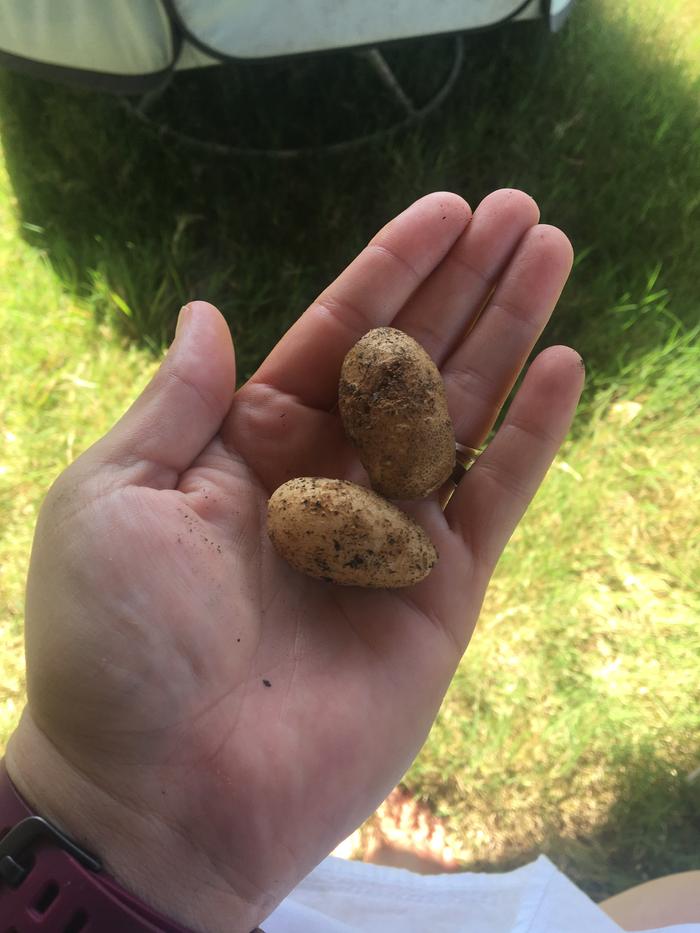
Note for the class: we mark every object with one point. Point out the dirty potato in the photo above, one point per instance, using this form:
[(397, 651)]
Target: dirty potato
[(393, 406), (343, 533)]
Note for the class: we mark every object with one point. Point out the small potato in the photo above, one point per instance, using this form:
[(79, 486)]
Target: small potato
[(343, 533), (393, 406)]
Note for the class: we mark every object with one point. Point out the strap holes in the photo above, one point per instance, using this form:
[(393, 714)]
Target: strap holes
[(46, 898), (77, 922)]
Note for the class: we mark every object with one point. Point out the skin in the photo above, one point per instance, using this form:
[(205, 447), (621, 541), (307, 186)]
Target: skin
[(157, 608), (667, 901)]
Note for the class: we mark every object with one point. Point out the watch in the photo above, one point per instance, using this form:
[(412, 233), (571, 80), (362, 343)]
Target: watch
[(48, 884)]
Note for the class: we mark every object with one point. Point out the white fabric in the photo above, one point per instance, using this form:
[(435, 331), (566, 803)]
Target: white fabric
[(351, 897), (557, 7), (129, 37), (264, 28), (133, 37)]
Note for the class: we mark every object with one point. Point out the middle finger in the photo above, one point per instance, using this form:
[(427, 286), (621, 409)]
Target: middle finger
[(442, 310)]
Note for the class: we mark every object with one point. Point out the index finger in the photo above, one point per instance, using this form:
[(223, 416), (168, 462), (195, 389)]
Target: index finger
[(369, 293)]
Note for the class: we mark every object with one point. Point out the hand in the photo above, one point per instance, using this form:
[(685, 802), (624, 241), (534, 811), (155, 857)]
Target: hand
[(206, 719)]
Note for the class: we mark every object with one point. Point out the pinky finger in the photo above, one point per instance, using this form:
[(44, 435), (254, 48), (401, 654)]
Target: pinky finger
[(495, 493)]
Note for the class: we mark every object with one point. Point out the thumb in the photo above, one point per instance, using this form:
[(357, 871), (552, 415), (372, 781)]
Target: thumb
[(182, 407)]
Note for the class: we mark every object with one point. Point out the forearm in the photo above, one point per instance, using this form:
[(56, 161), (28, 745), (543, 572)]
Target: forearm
[(149, 859)]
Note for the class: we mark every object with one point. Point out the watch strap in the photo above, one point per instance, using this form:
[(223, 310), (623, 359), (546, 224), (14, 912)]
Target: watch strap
[(49, 884)]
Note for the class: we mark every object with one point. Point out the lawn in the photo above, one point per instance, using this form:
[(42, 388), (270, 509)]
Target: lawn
[(572, 725)]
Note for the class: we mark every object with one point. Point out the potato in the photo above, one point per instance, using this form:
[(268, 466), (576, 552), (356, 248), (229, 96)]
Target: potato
[(393, 406), (343, 533)]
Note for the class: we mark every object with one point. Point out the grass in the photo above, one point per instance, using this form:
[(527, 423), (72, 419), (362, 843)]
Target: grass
[(571, 725), (66, 379)]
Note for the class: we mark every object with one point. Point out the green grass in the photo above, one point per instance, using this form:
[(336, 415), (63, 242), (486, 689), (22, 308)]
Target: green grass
[(66, 379), (572, 723)]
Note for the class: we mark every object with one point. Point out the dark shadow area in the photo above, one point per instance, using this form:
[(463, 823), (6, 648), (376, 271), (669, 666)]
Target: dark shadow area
[(123, 212), (652, 829), (598, 128), (309, 103)]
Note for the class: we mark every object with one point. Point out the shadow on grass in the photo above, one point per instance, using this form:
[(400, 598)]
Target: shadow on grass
[(593, 123), (652, 829)]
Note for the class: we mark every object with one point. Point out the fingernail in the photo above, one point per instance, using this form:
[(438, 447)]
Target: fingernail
[(183, 320)]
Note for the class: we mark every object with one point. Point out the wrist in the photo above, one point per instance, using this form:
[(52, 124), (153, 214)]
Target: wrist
[(150, 860)]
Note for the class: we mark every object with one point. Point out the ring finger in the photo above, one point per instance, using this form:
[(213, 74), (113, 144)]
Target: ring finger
[(482, 370)]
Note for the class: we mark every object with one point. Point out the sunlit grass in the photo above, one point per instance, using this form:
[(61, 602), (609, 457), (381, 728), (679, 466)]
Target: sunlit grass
[(65, 380)]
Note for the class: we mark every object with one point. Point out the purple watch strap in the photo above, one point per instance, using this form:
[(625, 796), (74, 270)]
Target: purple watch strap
[(59, 895)]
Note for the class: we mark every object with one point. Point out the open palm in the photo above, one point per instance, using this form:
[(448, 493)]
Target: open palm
[(245, 717)]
